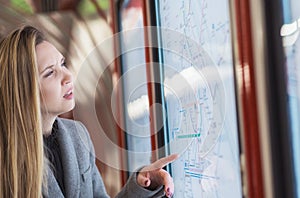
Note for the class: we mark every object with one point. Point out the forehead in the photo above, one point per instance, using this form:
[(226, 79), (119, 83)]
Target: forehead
[(47, 54)]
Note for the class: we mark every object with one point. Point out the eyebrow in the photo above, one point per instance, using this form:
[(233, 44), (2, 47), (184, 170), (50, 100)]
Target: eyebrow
[(50, 66)]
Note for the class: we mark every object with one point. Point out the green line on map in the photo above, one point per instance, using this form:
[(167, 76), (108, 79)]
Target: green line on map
[(189, 136)]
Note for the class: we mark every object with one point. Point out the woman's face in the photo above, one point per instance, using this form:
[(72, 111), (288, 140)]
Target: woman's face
[(56, 81)]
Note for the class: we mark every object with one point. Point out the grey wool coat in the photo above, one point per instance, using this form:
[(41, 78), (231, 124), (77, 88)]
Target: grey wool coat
[(81, 176)]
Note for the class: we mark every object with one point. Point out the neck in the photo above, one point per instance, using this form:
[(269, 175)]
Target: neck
[(47, 124)]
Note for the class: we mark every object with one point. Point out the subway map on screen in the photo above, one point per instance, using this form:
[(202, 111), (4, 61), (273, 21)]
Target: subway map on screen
[(200, 101)]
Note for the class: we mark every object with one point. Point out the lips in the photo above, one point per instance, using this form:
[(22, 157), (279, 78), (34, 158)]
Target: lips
[(69, 94)]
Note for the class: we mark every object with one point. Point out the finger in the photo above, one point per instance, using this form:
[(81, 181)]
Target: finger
[(168, 183), (143, 179), (164, 161), (169, 190)]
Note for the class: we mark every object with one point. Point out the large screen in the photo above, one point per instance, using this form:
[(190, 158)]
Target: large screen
[(200, 100)]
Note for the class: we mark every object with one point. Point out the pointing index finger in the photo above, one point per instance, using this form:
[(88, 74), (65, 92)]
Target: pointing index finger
[(164, 161)]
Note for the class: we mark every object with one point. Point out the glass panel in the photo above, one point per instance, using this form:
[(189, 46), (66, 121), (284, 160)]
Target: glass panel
[(200, 97), (135, 85)]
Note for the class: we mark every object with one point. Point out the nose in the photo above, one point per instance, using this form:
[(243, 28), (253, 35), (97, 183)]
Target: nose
[(67, 76)]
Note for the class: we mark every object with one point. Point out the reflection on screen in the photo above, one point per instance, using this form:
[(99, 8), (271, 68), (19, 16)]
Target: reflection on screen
[(200, 97), (291, 42)]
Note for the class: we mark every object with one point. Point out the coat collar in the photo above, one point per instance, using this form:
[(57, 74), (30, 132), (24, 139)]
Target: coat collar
[(69, 164)]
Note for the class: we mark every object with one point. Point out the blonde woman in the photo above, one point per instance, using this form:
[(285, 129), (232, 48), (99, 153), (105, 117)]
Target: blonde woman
[(35, 87)]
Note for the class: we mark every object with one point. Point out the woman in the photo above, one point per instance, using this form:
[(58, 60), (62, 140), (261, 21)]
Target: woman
[(36, 87)]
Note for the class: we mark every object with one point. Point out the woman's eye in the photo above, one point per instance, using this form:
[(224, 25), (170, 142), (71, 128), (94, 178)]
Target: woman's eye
[(49, 73), (64, 64)]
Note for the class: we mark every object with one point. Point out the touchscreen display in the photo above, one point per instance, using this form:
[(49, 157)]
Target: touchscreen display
[(200, 100)]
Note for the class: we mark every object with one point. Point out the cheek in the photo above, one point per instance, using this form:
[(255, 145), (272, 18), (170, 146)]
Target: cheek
[(48, 93)]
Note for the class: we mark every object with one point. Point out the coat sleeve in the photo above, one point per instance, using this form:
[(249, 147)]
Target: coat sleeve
[(131, 189)]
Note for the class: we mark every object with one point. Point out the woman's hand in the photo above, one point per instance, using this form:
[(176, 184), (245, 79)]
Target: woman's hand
[(153, 175)]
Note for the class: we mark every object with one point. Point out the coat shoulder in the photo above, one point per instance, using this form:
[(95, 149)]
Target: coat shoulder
[(74, 129)]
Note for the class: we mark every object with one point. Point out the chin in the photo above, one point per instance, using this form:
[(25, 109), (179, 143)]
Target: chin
[(68, 107), (72, 106)]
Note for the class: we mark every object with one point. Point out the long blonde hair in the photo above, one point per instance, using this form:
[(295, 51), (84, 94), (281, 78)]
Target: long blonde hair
[(21, 142)]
